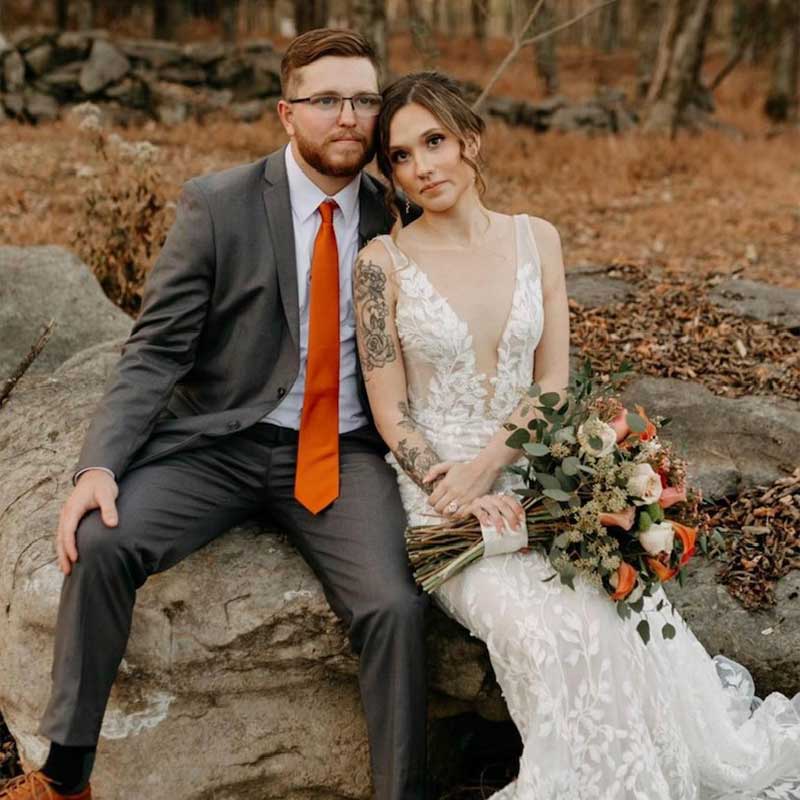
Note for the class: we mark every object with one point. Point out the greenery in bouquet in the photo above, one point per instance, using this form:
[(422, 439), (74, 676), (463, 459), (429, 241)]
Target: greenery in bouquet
[(604, 497)]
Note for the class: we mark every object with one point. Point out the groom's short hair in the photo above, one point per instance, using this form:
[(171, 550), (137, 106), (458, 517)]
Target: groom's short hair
[(313, 45)]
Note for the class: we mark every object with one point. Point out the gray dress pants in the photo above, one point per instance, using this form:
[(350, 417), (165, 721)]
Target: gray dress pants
[(174, 506)]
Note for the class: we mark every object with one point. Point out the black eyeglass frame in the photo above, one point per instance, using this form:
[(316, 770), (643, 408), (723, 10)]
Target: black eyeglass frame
[(342, 98)]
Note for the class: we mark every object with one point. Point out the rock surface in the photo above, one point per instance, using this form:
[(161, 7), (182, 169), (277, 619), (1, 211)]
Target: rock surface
[(42, 283), (234, 652), (731, 444), (775, 304)]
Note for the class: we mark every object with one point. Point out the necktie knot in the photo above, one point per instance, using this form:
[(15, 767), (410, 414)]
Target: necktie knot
[(326, 209)]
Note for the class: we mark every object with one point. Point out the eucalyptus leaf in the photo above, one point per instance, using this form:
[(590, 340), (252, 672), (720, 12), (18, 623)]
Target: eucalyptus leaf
[(547, 481), (534, 390), (536, 448), (636, 423), (623, 610), (557, 494), (518, 438), (570, 465), (637, 606), (643, 628), (668, 631), (549, 399), (596, 443), (561, 541)]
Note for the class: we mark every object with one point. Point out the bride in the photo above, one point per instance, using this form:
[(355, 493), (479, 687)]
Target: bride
[(456, 315)]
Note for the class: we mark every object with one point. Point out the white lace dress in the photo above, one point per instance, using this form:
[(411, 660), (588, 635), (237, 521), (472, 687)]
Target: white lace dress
[(601, 714)]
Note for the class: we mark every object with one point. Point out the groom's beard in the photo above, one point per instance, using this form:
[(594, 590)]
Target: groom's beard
[(347, 167)]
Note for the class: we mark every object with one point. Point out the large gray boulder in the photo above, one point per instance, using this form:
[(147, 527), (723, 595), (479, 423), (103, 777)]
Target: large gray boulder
[(42, 283), (234, 653), (731, 443)]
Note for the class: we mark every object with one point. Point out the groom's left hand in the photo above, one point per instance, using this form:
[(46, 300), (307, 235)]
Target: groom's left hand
[(460, 482)]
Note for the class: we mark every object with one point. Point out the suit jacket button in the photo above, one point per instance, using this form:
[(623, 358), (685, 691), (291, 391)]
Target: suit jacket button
[(281, 391), (235, 425)]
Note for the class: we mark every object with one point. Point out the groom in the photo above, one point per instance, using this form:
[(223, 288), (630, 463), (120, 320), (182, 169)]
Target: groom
[(238, 393)]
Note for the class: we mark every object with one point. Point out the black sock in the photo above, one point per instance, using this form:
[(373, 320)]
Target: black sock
[(69, 767)]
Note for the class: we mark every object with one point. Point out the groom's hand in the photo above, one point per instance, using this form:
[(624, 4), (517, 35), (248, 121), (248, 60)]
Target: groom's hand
[(95, 489)]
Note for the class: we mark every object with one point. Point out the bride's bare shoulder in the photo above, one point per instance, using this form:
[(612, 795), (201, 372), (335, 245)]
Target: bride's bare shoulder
[(545, 233)]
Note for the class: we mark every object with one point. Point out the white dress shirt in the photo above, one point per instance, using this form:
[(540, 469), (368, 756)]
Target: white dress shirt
[(306, 198)]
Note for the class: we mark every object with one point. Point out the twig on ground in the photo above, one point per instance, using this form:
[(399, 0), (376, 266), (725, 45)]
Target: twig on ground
[(26, 362)]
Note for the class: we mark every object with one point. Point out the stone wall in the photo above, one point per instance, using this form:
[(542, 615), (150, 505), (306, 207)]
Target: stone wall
[(137, 79), (42, 71)]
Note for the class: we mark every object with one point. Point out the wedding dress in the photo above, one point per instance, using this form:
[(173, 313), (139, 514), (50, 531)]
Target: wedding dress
[(601, 714)]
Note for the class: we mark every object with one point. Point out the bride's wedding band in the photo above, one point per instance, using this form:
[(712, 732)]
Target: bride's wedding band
[(452, 507)]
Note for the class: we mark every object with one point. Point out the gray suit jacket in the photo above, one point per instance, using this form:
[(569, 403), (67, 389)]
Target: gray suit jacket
[(216, 346)]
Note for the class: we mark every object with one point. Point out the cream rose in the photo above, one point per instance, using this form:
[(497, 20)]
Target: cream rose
[(605, 433), (645, 484), (658, 538)]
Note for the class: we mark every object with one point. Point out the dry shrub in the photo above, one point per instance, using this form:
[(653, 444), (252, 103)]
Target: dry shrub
[(125, 214)]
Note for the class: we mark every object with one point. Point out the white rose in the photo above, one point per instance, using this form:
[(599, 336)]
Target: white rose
[(645, 484), (605, 433), (658, 538)]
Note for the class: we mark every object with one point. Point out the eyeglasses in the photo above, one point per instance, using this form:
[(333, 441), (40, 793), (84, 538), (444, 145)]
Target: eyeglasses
[(364, 104)]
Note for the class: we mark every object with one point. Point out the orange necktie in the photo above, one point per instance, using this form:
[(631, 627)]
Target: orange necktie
[(316, 483)]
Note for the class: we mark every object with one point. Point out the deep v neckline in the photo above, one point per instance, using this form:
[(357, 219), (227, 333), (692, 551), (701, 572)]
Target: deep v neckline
[(520, 264)]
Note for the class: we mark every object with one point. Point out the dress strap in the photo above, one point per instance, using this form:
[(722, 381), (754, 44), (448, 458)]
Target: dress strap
[(528, 250), (398, 259)]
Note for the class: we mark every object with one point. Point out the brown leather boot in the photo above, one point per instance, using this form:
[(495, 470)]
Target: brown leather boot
[(37, 786)]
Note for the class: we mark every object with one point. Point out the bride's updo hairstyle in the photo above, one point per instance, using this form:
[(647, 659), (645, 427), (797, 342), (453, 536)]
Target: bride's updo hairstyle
[(442, 97)]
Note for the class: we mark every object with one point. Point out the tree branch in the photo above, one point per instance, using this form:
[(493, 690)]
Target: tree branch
[(36, 348), (520, 41)]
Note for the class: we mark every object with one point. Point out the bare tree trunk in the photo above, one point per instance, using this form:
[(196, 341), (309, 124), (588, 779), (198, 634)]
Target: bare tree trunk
[(85, 14), (166, 18), (368, 17), (478, 11), (62, 14), (421, 34), (782, 101), (437, 16), (609, 28), (310, 14), (545, 50), (648, 21), (675, 80), (230, 20)]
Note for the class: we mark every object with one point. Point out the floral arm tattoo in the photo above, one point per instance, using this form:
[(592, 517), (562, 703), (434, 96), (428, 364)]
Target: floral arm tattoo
[(376, 349), (375, 345)]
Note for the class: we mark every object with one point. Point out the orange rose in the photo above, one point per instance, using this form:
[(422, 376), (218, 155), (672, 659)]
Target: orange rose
[(662, 571), (620, 425), (650, 430), (688, 537), (622, 519), (625, 580)]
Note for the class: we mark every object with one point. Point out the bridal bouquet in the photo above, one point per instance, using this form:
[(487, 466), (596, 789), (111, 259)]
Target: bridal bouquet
[(600, 492)]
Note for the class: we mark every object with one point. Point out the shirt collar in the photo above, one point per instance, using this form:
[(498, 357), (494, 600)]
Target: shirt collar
[(306, 196)]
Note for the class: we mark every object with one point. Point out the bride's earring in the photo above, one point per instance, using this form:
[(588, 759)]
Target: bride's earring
[(408, 206)]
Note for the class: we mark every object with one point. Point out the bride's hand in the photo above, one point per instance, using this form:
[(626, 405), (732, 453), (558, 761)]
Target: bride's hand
[(460, 482), (492, 509)]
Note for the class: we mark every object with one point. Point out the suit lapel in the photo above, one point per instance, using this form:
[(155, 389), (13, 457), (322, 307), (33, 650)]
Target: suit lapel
[(278, 206), (373, 219)]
